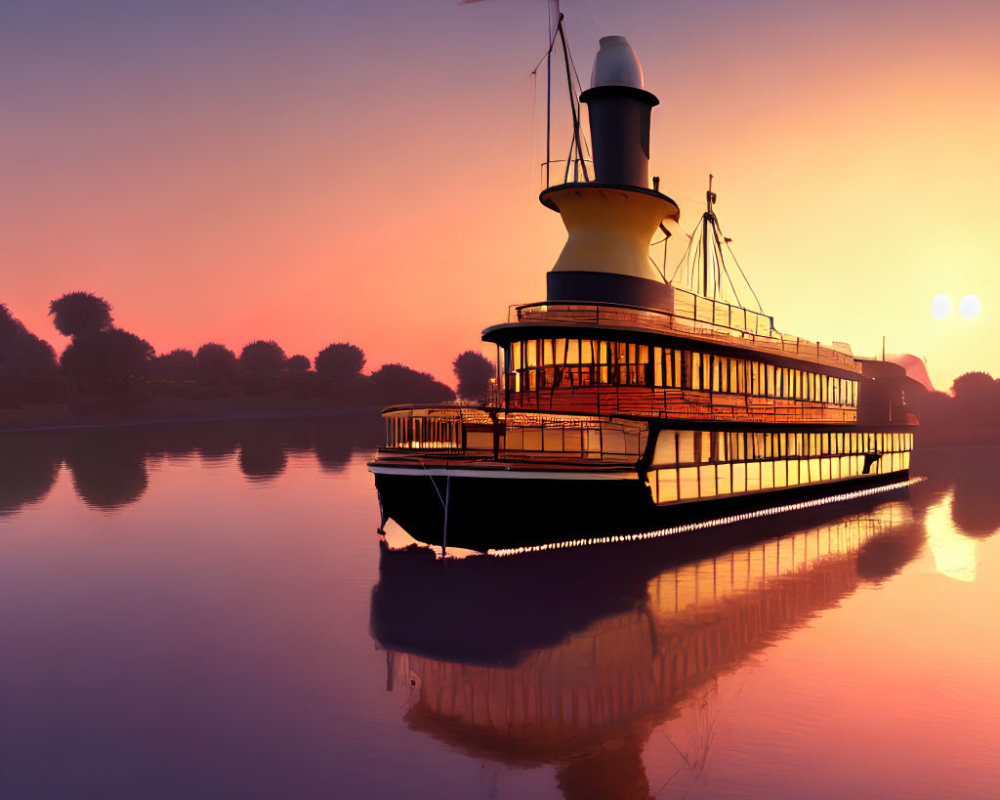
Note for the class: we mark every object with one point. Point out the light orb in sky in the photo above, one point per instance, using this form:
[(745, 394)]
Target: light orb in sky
[(941, 306), (969, 306)]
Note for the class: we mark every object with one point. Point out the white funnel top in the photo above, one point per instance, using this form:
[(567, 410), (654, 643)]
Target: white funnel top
[(616, 64)]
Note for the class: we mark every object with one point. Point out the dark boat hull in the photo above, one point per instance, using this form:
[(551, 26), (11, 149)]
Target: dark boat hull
[(494, 513)]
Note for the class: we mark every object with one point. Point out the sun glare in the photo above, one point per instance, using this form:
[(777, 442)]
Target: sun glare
[(969, 306), (941, 306)]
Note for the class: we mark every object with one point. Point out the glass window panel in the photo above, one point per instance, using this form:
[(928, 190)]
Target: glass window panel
[(547, 357), (666, 448), (573, 440), (767, 475), (613, 441), (667, 483), (657, 366), (532, 439), (685, 447), (561, 348), (723, 476), (704, 439), (706, 478), (780, 474), (739, 477), (814, 471), (532, 350), (753, 476), (552, 440), (688, 482)]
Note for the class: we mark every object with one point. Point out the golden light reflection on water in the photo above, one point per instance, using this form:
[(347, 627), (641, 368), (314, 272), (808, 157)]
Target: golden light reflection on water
[(954, 554), (589, 704)]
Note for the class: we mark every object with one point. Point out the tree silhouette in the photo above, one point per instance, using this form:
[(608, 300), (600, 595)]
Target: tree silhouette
[(107, 361), (297, 363), (473, 372), (261, 363), (977, 402), (177, 365), (80, 313), (394, 383), (262, 358), (28, 369), (21, 352), (216, 364), (974, 385), (340, 362)]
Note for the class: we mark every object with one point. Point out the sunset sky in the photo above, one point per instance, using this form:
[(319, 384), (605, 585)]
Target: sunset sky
[(315, 172)]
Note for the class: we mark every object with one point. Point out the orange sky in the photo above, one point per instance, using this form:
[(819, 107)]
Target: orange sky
[(317, 172)]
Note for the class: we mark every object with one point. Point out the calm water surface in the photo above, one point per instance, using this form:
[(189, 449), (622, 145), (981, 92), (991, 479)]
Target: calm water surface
[(204, 612)]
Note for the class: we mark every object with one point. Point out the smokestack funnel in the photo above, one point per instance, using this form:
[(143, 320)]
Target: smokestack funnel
[(619, 115)]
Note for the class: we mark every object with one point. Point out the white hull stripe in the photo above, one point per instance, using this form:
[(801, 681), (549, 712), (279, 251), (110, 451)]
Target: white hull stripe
[(506, 474)]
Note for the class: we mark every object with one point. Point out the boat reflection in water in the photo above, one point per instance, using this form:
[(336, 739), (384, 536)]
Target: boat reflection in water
[(575, 662)]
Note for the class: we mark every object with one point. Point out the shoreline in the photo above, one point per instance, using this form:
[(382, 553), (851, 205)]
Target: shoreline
[(167, 411)]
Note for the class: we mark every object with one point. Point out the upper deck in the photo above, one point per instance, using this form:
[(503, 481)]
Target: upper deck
[(694, 317)]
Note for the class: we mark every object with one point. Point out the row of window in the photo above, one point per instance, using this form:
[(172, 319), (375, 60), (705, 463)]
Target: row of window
[(553, 363), (692, 447), (713, 480)]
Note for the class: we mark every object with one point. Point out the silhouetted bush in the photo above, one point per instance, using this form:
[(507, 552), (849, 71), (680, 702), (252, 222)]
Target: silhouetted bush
[(263, 358), (394, 383), (28, 366), (80, 313), (261, 362), (177, 365), (340, 362), (474, 373), (297, 363), (977, 404), (216, 364), (107, 362)]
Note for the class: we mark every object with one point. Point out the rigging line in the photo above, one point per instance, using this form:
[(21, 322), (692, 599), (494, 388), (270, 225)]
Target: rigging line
[(749, 286), (552, 42), (657, 268), (684, 258), (572, 100), (575, 93), (725, 271)]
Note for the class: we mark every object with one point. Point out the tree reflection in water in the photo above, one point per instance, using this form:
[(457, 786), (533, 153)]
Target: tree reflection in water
[(28, 468), (108, 467), (637, 634)]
